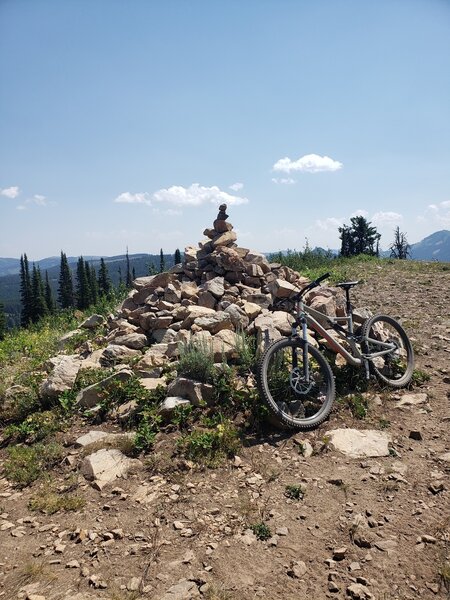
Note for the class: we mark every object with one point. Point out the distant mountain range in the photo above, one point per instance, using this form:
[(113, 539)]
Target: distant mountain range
[(434, 247)]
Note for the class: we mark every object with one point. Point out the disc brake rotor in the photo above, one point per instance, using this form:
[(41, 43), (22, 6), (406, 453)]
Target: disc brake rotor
[(298, 383)]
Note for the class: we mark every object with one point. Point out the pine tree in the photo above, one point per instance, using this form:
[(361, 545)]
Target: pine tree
[(25, 292), (38, 304), (400, 248), (177, 257), (65, 287), (162, 262), (83, 294), (93, 285), (104, 282), (133, 271), (128, 280), (2, 322), (152, 269), (49, 301), (359, 238)]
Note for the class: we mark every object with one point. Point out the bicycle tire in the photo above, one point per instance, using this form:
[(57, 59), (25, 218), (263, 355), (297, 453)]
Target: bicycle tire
[(308, 404), (397, 368)]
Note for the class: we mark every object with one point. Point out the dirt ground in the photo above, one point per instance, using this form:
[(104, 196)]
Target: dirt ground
[(374, 528)]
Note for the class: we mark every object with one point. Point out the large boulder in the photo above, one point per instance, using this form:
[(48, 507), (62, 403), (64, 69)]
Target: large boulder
[(104, 466), (198, 393), (360, 444), (63, 376)]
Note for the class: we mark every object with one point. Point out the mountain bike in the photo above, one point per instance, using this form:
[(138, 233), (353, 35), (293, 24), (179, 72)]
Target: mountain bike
[(296, 381)]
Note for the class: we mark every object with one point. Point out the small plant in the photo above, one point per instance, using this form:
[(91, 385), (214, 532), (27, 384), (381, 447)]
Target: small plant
[(182, 416), (196, 361), (49, 502), (261, 530), (25, 464), (35, 427), (211, 447), (294, 492), (419, 377), (246, 349), (357, 404), (148, 427), (444, 574), (384, 423)]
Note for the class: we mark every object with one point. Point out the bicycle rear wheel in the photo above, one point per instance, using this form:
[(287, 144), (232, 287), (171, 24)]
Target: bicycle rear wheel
[(395, 367), (295, 400)]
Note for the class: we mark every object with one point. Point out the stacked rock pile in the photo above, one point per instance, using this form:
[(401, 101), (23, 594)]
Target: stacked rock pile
[(219, 291)]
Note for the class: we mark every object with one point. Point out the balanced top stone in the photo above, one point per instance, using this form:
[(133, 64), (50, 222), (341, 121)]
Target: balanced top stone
[(222, 216)]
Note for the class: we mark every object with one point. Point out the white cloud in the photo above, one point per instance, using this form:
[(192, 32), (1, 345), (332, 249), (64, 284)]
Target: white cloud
[(387, 218), (236, 186), (283, 180), (330, 224), (437, 214), (21, 207), (310, 163), (359, 212), (177, 195), (129, 198), (196, 195), (11, 192)]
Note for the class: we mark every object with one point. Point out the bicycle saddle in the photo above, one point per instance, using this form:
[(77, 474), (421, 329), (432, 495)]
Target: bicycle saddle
[(346, 285)]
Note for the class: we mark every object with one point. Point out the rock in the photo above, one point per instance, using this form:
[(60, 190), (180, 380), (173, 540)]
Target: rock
[(135, 341), (189, 289), (386, 545), (90, 438), (339, 553), (183, 590), (214, 286), (104, 466), (415, 435), (357, 591), (206, 299), (93, 322), (251, 309), (169, 404), (62, 378), (151, 383), (67, 337), (224, 239), (115, 353), (238, 316), (298, 569), (411, 400), (172, 293), (194, 312), (214, 323), (134, 584), (155, 356), (282, 289), (90, 396), (224, 344), (445, 457), (198, 393), (360, 444)]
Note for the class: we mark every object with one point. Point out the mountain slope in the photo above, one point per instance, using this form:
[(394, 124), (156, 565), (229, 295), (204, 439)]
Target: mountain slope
[(434, 247)]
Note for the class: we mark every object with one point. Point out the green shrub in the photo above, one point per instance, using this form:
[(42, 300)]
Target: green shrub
[(36, 427), (49, 502), (294, 492), (147, 428), (211, 447), (246, 349), (196, 361), (261, 530), (419, 377), (357, 404), (25, 464)]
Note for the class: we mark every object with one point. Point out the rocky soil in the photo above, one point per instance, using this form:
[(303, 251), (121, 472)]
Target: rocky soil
[(344, 520)]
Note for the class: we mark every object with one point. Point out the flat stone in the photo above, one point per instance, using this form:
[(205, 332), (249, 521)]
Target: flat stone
[(282, 289), (62, 377), (411, 400), (183, 590), (215, 322), (224, 239), (196, 392), (104, 466), (90, 396), (93, 322), (135, 341), (360, 444), (90, 438), (214, 286), (151, 383), (115, 353)]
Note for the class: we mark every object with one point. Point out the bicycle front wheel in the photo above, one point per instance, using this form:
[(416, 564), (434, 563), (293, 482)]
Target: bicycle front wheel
[(297, 386), (388, 350)]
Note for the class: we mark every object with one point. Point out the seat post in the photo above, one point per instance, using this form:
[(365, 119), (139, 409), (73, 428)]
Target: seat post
[(348, 303)]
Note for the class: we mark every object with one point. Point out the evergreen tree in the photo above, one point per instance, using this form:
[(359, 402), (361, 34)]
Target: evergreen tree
[(83, 290), (119, 270), (65, 284), (152, 269), (38, 304), (49, 301), (25, 292), (104, 282), (359, 238), (400, 248), (177, 257), (162, 262), (93, 285), (133, 271), (128, 280), (2, 322)]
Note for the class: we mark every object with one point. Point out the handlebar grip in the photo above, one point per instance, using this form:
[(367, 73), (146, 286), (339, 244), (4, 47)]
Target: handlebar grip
[(322, 277)]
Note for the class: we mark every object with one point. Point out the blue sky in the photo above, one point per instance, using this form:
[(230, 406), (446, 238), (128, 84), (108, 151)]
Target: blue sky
[(126, 123)]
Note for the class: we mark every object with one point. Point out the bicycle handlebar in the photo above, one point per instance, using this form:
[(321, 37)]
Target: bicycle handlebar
[(310, 286)]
